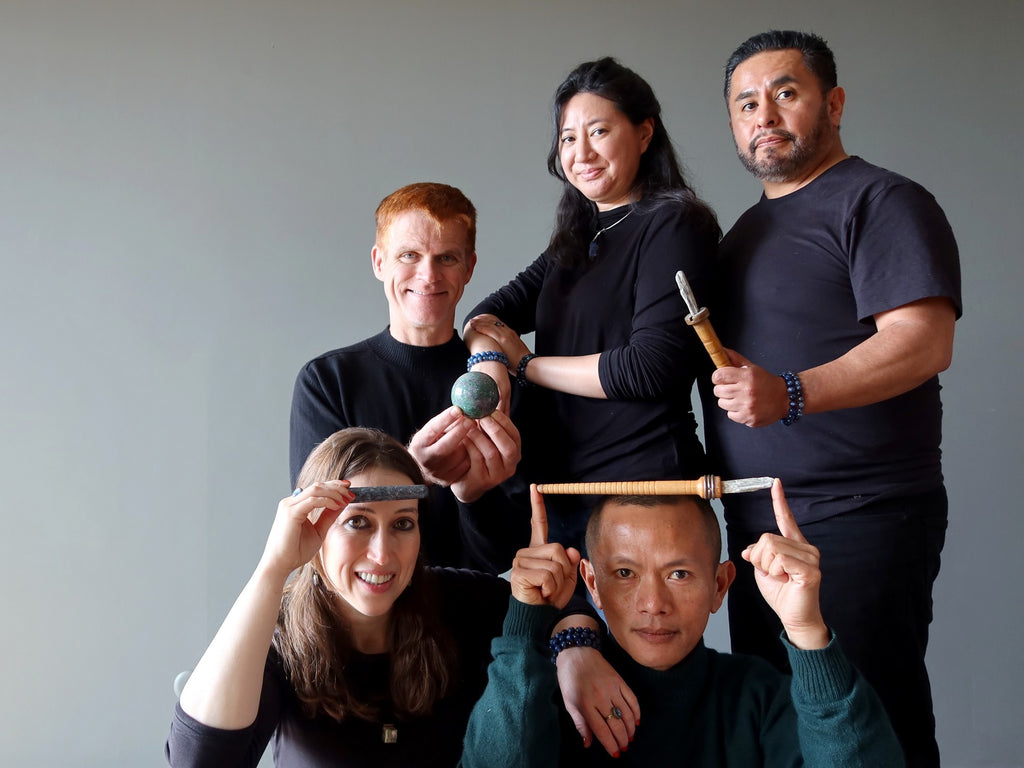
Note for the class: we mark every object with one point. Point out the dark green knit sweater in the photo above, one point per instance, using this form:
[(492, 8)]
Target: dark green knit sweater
[(711, 709)]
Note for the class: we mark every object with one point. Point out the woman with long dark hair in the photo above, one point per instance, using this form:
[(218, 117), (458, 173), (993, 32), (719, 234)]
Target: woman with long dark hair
[(361, 657), (615, 361)]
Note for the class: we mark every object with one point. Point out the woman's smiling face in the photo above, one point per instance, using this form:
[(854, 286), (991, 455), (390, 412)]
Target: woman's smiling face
[(369, 554), (600, 149)]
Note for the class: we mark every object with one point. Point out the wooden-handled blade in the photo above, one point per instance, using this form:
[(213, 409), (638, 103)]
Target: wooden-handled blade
[(698, 318), (707, 487)]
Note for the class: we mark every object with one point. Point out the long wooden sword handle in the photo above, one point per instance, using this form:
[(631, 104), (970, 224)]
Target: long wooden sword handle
[(707, 487)]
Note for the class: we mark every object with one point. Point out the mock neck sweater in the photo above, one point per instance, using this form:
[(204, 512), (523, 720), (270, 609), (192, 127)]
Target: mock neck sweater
[(711, 709)]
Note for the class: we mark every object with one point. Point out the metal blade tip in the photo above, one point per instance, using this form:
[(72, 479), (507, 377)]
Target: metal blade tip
[(687, 293), (747, 484)]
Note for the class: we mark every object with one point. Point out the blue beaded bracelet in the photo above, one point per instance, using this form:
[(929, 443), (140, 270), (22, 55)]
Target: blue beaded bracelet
[(795, 391), (573, 637), (481, 357), (521, 379)]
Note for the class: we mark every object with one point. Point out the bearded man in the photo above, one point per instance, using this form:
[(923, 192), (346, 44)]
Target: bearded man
[(839, 289)]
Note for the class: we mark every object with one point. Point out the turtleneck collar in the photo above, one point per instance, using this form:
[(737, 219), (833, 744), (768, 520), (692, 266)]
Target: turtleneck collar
[(410, 356)]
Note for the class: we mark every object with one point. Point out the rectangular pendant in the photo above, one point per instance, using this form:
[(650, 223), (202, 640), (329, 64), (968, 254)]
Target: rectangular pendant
[(389, 733)]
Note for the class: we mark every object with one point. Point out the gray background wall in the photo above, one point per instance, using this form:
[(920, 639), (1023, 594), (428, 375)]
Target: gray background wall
[(186, 198)]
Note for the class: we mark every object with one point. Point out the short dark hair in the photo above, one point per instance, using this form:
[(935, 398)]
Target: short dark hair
[(818, 57), (708, 518)]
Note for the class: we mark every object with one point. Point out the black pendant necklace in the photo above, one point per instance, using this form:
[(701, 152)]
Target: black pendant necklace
[(592, 251)]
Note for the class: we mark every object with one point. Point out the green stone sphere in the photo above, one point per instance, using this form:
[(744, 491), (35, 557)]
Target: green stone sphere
[(476, 394)]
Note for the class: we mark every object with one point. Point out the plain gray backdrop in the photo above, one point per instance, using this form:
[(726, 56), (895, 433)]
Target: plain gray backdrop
[(186, 200)]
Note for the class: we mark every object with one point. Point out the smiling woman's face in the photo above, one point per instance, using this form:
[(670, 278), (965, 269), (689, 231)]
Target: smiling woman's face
[(369, 554), (600, 149)]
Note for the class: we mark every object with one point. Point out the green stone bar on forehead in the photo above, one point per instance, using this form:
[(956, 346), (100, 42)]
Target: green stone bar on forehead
[(389, 492)]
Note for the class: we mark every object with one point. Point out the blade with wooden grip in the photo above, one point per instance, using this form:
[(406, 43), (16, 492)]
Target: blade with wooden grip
[(698, 318), (707, 487)]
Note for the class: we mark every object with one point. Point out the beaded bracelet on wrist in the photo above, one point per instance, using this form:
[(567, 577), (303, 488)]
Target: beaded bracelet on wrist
[(573, 637), (795, 392), (481, 357), (521, 369)]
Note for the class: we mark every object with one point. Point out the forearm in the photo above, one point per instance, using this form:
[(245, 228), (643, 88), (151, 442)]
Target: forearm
[(577, 613), (808, 637), (840, 719), (572, 375), (478, 342), (514, 723), (224, 689), (912, 344), (575, 620)]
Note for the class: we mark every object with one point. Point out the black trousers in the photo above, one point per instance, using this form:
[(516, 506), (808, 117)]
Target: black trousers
[(878, 566)]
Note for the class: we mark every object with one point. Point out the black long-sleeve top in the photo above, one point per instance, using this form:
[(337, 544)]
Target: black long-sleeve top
[(472, 608), (624, 305)]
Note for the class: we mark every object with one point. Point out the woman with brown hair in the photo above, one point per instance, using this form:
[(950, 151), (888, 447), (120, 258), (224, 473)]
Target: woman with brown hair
[(363, 656)]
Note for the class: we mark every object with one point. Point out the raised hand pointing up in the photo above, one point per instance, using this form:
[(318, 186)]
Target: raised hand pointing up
[(543, 574), (787, 571)]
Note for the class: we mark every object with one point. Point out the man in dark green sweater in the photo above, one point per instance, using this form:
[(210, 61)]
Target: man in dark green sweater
[(653, 569)]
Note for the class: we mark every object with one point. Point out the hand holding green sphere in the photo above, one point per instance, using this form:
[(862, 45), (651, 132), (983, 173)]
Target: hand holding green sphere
[(476, 394)]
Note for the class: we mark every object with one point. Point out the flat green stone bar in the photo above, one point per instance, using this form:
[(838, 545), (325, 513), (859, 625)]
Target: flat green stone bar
[(389, 492), (476, 394)]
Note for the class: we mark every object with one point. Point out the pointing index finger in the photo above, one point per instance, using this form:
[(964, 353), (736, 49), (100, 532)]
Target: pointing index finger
[(538, 518), (783, 516)]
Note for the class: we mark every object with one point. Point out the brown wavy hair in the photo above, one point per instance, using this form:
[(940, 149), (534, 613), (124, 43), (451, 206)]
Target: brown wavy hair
[(314, 641)]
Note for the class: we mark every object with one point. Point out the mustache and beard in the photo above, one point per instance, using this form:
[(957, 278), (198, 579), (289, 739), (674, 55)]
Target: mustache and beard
[(779, 168)]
